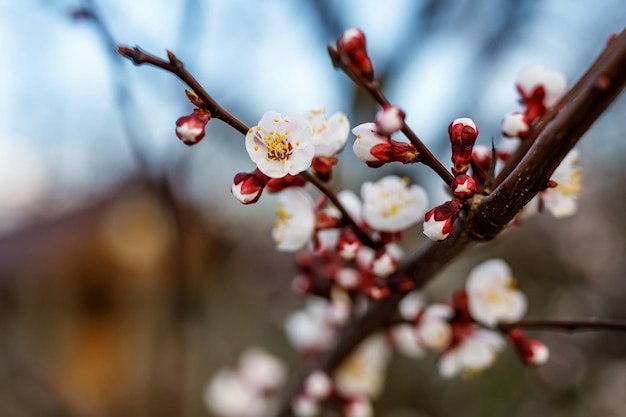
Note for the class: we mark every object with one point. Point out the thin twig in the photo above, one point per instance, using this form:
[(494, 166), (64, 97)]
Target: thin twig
[(565, 325), (372, 87)]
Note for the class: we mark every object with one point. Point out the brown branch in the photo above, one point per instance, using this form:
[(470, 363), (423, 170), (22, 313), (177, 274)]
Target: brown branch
[(176, 67), (332, 196), (565, 325), (538, 127), (425, 155), (489, 215)]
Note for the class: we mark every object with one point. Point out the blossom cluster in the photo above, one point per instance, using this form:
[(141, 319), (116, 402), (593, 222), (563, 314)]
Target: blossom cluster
[(464, 333)]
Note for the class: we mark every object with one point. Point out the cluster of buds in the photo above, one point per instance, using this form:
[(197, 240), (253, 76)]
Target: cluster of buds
[(438, 221), (540, 90)]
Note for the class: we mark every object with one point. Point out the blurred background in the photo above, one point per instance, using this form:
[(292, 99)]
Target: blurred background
[(128, 272)]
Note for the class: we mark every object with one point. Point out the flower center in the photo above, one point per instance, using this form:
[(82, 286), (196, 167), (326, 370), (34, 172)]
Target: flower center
[(281, 223), (278, 146)]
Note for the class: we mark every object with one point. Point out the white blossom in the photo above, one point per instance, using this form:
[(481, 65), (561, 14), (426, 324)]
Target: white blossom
[(562, 200), (310, 329), (328, 135), (228, 395), (295, 219), (280, 146), (434, 331), (405, 340), (475, 352), (261, 370), (363, 372), (492, 294), (553, 82), (391, 205), (318, 385), (411, 305)]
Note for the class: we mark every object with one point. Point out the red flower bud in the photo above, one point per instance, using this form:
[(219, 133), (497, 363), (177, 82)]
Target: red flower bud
[(530, 351), (438, 222), (463, 134), (190, 129), (351, 49), (247, 187), (463, 186)]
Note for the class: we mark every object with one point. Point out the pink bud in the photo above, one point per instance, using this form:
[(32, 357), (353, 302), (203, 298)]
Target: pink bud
[(515, 125), (438, 222), (463, 134), (247, 187), (190, 129), (463, 186), (351, 49), (530, 351), (389, 119)]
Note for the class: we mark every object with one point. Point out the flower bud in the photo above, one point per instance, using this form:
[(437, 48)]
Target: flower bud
[(376, 150), (190, 128), (515, 125), (247, 187), (351, 49), (463, 134), (463, 187), (438, 222), (530, 351), (389, 119), (275, 185), (318, 385)]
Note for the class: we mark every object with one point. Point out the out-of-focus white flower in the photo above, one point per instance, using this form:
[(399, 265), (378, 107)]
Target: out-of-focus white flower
[(384, 264), (328, 136), (310, 329), (261, 370), (359, 407), (405, 340), (363, 372), (247, 390), (475, 352), (305, 406), (433, 331), (562, 200), (391, 205), (295, 219), (514, 125), (389, 119), (228, 395), (280, 146), (411, 305), (492, 294), (535, 82), (318, 385)]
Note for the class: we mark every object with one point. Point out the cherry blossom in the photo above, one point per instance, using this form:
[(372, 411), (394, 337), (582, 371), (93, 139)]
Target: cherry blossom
[(492, 295), (309, 329), (295, 220), (262, 370), (328, 135), (562, 200), (540, 89), (391, 205), (280, 146), (433, 330), (318, 385), (476, 351)]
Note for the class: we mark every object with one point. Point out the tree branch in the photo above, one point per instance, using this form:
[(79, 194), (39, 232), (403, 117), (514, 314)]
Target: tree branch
[(564, 325), (489, 215)]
